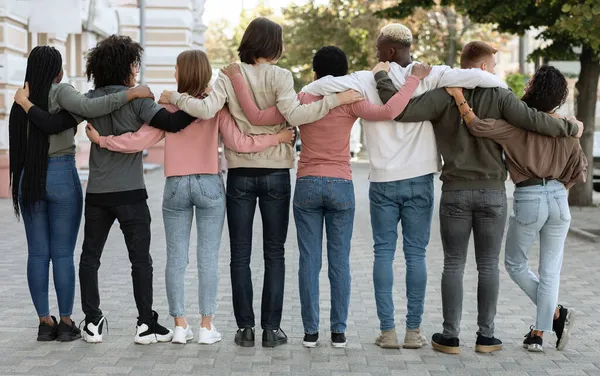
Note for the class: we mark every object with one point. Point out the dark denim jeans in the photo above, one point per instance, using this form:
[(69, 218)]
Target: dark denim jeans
[(51, 226), (484, 212), (329, 200), (409, 202), (134, 220), (273, 195)]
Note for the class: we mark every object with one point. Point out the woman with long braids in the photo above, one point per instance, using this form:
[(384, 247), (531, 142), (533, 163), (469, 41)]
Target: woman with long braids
[(542, 168), (46, 190)]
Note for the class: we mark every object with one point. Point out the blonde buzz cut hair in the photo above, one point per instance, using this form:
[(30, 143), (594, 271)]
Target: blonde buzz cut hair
[(397, 33)]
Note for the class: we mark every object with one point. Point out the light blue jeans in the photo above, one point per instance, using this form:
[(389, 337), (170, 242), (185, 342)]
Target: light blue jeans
[(542, 210), (409, 202), (329, 201), (207, 194)]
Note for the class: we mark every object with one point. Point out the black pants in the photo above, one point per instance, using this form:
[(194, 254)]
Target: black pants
[(135, 225), (273, 195)]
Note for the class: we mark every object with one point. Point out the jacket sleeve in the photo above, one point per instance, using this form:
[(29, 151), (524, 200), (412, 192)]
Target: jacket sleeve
[(240, 142), (205, 108), (51, 123), (171, 122), (496, 130), (444, 76), (73, 101), (132, 142), (517, 113), (256, 116), (331, 85), (392, 107)]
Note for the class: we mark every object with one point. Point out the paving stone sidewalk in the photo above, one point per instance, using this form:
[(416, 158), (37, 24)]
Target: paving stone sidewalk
[(20, 354)]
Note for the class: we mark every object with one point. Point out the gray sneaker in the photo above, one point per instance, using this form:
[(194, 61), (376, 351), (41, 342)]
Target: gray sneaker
[(387, 339), (413, 339)]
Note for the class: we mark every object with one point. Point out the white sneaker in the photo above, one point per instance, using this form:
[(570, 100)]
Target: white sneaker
[(92, 332), (208, 337), (182, 335), (153, 332)]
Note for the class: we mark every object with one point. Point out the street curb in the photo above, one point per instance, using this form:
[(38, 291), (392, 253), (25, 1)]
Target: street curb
[(584, 235)]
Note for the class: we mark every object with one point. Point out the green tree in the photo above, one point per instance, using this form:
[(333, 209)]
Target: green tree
[(572, 30)]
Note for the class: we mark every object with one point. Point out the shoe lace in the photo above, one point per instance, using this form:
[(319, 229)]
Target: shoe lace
[(528, 335)]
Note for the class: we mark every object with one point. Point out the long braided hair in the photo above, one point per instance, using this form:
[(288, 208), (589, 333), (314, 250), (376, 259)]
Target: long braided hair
[(28, 146)]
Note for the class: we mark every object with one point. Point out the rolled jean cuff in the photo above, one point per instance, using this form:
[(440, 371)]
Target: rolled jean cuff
[(210, 313), (177, 315)]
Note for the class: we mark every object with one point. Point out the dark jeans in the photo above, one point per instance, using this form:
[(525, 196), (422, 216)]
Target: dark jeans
[(135, 225), (273, 194), (51, 226), (484, 212)]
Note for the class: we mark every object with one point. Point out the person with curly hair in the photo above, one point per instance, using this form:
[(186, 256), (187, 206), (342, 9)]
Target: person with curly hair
[(116, 188), (543, 169), (46, 190)]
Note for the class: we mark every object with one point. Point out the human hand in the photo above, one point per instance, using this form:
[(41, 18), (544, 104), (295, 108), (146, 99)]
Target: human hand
[(421, 70), (286, 135), (349, 96), (92, 133), (382, 66), (22, 95), (580, 126), (231, 70), (165, 97), (141, 91), (454, 91)]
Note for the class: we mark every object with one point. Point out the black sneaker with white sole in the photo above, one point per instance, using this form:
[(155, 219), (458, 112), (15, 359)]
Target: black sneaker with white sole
[(338, 340), (93, 328), (67, 332), (532, 342), (47, 333), (152, 332), (310, 340), (562, 326)]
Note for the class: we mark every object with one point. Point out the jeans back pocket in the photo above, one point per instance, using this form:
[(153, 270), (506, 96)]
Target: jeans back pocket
[(527, 210)]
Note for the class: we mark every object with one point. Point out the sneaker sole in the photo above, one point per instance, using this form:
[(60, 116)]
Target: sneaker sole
[(146, 340), (164, 337), (245, 343), (310, 345), (68, 338), (46, 338), (187, 339), (209, 342), (446, 349), (339, 345), (412, 346), (569, 322), (274, 344), (487, 349), (390, 347), (534, 348)]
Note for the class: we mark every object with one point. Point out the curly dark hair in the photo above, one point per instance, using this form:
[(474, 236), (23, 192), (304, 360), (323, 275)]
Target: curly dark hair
[(547, 90), (330, 60), (109, 63)]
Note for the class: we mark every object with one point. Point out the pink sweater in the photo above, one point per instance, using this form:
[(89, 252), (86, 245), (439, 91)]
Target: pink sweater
[(194, 150), (326, 142)]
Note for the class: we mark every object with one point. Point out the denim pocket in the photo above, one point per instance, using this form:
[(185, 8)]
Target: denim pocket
[(494, 203), (304, 193), (236, 186), (60, 182), (454, 203), (377, 192), (171, 185), (563, 207), (341, 193), (422, 193), (278, 185), (527, 210), (211, 186)]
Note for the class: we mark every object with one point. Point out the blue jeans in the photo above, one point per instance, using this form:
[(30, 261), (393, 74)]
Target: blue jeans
[(542, 210), (273, 194), (409, 202), (207, 194), (51, 226), (319, 199)]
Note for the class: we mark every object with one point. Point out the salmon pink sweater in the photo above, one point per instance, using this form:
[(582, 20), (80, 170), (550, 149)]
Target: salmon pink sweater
[(326, 142), (194, 150)]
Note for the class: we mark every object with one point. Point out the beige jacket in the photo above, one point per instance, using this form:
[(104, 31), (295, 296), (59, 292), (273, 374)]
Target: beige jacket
[(269, 85)]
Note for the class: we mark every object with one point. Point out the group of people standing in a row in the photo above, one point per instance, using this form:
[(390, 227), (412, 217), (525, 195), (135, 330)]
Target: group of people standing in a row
[(251, 108)]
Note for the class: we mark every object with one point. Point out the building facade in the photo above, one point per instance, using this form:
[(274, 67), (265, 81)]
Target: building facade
[(73, 27)]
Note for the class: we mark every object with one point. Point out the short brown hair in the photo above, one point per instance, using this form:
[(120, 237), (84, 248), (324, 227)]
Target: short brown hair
[(263, 38), (193, 72), (474, 52)]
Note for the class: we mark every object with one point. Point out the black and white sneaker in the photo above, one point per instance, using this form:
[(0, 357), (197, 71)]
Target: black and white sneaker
[(562, 326), (310, 340), (532, 342), (92, 330), (67, 332), (47, 333), (152, 332), (338, 340)]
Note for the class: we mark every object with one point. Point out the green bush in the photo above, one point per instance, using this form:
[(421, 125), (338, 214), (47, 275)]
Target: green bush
[(517, 82)]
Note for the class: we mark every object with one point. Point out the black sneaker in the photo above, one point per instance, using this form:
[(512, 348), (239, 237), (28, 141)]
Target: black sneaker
[(533, 342), (67, 332), (46, 332), (445, 345), (562, 326), (152, 332), (310, 340), (245, 337), (338, 340), (487, 345), (274, 338)]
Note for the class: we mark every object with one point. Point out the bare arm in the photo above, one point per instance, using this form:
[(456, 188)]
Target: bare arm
[(256, 116), (130, 142)]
